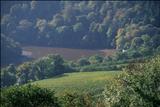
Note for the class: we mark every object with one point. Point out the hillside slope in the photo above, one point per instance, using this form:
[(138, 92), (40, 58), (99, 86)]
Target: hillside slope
[(79, 82), (84, 24)]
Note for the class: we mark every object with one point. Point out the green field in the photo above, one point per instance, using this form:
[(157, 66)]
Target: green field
[(93, 82)]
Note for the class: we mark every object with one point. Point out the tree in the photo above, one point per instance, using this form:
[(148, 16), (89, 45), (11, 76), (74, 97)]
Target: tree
[(83, 62), (49, 66), (41, 24), (158, 49), (107, 59), (146, 39), (145, 51), (10, 50), (120, 40), (138, 86), (44, 67), (120, 56), (12, 69), (109, 32), (105, 23), (91, 16), (23, 73), (77, 27), (133, 53), (58, 64), (136, 42), (56, 21), (8, 76), (155, 41), (95, 59)]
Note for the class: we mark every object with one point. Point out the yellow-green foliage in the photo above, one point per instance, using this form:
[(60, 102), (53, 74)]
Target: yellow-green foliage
[(78, 82), (138, 86)]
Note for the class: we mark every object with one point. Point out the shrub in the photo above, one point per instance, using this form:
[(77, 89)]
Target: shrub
[(28, 96), (120, 56), (138, 86), (76, 100), (95, 59), (83, 62), (8, 76)]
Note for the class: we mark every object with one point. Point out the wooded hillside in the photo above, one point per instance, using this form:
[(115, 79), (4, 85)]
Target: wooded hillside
[(84, 24)]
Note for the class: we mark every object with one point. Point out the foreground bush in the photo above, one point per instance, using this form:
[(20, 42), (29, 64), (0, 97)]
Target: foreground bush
[(28, 96), (76, 100), (81, 100), (139, 86)]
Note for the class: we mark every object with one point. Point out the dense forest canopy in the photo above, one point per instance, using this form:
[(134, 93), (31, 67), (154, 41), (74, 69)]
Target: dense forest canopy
[(83, 24), (9, 50)]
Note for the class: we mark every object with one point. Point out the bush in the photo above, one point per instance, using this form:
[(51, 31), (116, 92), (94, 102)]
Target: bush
[(95, 59), (83, 62), (145, 51), (120, 56), (28, 96), (107, 59), (99, 68), (8, 76), (134, 54), (138, 86), (76, 100)]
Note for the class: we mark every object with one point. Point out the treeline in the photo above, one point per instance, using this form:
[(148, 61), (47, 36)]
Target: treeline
[(42, 68), (53, 65), (84, 24), (45, 67), (137, 86)]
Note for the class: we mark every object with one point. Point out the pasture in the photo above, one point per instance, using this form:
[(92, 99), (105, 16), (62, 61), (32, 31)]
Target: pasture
[(93, 82)]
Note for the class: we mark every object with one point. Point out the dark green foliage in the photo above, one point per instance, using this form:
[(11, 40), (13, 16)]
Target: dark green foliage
[(53, 65), (107, 59), (10, 50), (100, 67), (135, 36), (83, 62), (145, 51), (134, 54), (42, 68), (120, 56), (45, 67), (83, 24), (28, 96), (158, 50), (138, 86), (95, 59), (76, 100), (8, 76)]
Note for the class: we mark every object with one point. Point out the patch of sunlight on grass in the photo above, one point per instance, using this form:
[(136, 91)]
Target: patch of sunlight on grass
[(78, 82)]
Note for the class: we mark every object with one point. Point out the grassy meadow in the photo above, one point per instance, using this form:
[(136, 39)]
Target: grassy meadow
[(93, 82)]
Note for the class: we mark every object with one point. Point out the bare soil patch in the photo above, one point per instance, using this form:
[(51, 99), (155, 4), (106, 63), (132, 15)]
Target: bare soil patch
[(67, 53)]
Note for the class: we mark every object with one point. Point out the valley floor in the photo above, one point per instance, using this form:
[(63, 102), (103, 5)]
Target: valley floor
[(68, 53)]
